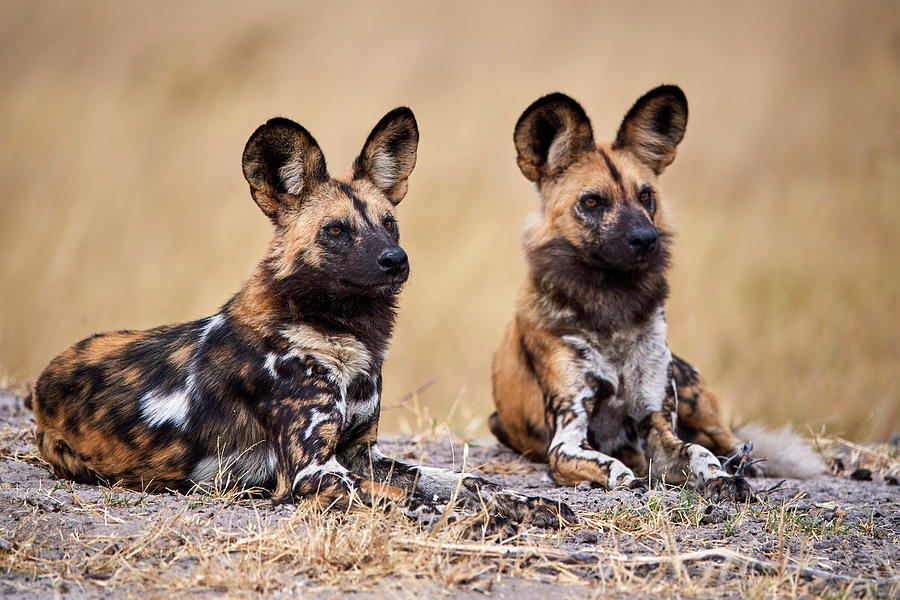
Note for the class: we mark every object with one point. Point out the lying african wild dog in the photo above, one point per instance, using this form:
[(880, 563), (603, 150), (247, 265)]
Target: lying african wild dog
[(583, 377), (281, 387)]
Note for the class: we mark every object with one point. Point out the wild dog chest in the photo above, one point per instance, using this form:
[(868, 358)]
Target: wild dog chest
[(627, 369), (341, 360)]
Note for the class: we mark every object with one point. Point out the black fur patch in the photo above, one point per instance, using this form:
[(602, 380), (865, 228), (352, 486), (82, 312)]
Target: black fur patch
[(603, 299), (613, 171)]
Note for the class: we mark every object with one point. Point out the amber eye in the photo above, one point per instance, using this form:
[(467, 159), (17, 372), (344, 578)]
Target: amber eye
[(335, 230), (388, 224), (646, 196), (591, 200)]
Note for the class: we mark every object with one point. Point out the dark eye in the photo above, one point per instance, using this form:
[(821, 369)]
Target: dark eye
[(646, 197), (388, 223)]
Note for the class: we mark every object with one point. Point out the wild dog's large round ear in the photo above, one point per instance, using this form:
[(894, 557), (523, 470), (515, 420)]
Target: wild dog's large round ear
[(283, 164), (654, 127), (389, 154), (550, 135)]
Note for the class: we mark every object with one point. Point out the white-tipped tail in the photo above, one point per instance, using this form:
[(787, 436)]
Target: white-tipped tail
[(786, 454)]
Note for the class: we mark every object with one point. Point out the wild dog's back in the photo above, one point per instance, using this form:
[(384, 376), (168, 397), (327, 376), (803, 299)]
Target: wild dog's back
[(145, 408)]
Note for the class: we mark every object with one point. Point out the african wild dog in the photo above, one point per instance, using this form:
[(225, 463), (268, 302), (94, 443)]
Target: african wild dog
[(583, 377), (282, 387)]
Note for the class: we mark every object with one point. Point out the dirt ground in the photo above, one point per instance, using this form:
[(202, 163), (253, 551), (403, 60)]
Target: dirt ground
[(832, 536)]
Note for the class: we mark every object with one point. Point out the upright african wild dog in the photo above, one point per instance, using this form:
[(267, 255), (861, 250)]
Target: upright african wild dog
[(583, 377), (282, 387)]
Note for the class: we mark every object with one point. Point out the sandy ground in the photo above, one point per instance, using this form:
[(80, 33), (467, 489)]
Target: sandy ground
[(832, 535)]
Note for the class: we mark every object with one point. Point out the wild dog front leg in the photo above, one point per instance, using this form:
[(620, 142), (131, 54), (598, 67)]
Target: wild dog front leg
[(435, 487), (574, 377), (675, 459), (304, 432), (304, 429), (570, 456), (700, 420)]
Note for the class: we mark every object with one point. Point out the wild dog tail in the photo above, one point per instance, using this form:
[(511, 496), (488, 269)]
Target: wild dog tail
[(786, 454)]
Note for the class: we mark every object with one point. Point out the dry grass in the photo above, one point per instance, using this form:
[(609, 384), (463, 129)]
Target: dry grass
[(123, 204), (224, 544), (222, 541), (109, 541)]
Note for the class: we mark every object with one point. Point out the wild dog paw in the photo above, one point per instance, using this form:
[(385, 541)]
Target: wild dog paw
[(735, 489), (542, 512), (741, 462), (477, 528), (641, 484), (534, 510)]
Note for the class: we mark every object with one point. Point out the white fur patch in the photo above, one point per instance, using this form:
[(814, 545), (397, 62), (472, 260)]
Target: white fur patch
[(292, 174), (320, 416), (569, 437), (212, 323), (646, 369), (594, 361), (640, 357), (254, 466), (174, 407), (704, 466), (157, 409), (269, 363), (383, 170)]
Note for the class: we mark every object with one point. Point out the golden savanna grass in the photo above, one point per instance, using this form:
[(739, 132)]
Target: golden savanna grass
[(123, 204)]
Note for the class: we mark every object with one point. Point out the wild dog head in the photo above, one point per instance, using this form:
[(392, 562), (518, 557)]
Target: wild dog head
[(601, 206), (334, 237)]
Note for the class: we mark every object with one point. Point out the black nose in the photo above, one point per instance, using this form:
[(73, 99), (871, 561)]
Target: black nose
[(393, 260), (642, 240)]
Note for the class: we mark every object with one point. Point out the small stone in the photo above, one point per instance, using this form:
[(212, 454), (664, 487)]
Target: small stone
[(861, 475), (45, 503), (714, 514), (586, 536)]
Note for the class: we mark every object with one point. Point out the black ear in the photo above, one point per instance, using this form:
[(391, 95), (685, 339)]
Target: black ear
[(654, 127), (283, 164), (550, 135), (389, 154)]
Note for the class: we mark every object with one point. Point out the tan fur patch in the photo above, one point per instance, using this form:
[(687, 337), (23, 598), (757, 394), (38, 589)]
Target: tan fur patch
[(181, 356), (346, 355), (561, 194), (110, 344)]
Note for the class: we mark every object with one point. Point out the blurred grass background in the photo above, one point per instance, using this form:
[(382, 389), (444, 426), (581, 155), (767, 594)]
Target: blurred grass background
[(123, 203)]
